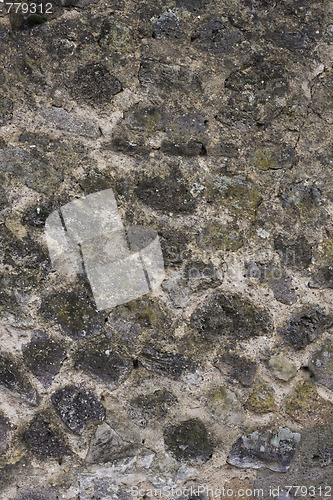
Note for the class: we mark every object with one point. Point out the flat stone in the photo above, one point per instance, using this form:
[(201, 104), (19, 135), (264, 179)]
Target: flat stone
[(307, 407), (43, 441), (166, 194), (76, 406), (13, 379), (61, 119), (44, 357), (189, 441), (271, 449), (107, 446)]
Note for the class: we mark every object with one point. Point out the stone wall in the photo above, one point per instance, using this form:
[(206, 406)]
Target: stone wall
[(211, 121)]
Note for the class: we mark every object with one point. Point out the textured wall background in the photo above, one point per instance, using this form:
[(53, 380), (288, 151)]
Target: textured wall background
[(211, 121)]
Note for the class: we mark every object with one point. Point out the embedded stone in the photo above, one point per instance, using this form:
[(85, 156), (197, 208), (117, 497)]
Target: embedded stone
[(13, 379), (107, 446), (261, 397), (5, 431), (270, 449), (169, 364), (321, 365), (44, 357), (147, 407), (189, 441), (282, 367), (307, 407), (76, 406), (93, 83), (226, 315), (74, 311), (100, 359), (237, 367), (43, 441), (306, 326), (166, 194)]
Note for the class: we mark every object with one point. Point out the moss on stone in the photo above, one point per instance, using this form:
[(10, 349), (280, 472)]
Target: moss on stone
[(261, 398)]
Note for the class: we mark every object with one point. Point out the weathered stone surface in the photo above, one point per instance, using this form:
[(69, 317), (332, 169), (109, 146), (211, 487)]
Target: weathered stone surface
[(321, 365), (282, 367), (276, 278), (272, 449), (307, 407), (37, 494), (5, 431), (261, 397), (169, 364), (305, 326), (230, 316), (60, 119), (76, 406), (74, 311), (293, 253), (13, 378), (147, 407), (94, 84), (224, 405), (189, 441), (43, 441), (162, 193), (108, 446), (44, 357), (103, 361), (237, 367)]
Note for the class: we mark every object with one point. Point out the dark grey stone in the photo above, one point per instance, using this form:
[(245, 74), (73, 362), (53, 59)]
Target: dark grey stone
[(189, 441), (44, 357), (305, 326), (226, 315), (13, 379), (76, 406), (43, 441), (271, 449)]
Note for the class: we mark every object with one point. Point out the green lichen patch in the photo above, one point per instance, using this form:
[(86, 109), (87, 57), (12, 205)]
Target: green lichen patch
[(306, 406), (145, 408), (224, 405), (240, 195), (261, 397), (220, 237), (189, 441), (44, 357), (230, 316), (13, 378), (74, 311)]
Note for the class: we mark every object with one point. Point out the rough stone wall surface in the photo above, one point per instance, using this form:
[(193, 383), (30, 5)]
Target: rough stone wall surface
[(211, 121)]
